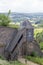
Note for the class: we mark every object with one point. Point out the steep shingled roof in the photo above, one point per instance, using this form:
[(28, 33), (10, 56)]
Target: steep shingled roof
[(6, 34)]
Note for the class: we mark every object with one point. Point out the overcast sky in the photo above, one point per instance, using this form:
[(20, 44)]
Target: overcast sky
[(24, 6)]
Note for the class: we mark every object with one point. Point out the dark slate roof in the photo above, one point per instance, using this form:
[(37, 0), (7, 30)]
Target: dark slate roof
[(6, 34), (26, 24)]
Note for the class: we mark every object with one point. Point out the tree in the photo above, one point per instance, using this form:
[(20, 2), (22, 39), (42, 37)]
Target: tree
[(9, 13), (4, 19)]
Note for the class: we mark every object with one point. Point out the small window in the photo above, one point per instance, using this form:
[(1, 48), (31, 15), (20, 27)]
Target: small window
[(30, 34)]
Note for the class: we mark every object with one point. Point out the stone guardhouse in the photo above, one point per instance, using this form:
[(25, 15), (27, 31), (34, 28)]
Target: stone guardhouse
[(18, 42)]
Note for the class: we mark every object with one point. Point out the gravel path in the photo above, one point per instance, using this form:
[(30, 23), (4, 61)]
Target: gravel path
[(24, 61)]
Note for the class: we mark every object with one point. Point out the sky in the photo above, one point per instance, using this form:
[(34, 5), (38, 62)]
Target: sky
[(22, 6)]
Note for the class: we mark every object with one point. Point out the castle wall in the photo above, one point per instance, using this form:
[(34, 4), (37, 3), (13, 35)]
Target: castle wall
[(27, 48)]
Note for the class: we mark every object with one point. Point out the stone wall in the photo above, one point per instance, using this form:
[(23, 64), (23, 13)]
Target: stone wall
[(29, 47)]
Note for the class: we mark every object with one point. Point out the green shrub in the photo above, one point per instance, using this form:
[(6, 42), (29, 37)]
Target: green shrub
[(39, 37), (41, 45), (1, 57), (33, 54)]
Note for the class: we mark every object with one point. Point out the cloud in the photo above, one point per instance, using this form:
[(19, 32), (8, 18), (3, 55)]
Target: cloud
[(21, 5)]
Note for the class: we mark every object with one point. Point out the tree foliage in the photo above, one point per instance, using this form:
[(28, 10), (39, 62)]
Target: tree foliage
[(4, 20)]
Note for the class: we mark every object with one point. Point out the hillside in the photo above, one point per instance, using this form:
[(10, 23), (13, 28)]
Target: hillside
[(18, 17)]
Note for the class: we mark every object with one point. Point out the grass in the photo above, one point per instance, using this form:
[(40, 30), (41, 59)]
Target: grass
[(37, 30), (4, 62), (35, 25), (13, 26), (16, 63), (37, 60)]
